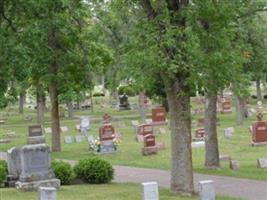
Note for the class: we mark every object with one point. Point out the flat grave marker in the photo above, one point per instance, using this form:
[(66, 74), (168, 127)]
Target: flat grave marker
[(150, 191), (206, 190), (262, 163), (68, 139)]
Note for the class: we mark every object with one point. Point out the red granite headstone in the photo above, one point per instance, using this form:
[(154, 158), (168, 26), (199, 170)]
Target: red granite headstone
[(200, 133), (107, 132), (226, 107), (149, 140), (159, 115), (259, 132), (145, 129)]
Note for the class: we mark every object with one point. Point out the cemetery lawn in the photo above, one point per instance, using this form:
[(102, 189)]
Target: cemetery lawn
[(129, 151), (101, 192)]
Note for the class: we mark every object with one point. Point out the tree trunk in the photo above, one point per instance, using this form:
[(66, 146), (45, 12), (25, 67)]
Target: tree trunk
[(70, 109), (40, 100), (78, 104), (239, 114), (211, 142), (180, 123), (53, 92), (22, 98), (258, 88), (142, 106), (91, 101)]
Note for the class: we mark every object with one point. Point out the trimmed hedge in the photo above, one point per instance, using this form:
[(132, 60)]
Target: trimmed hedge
[(94, 170), (63, 171)]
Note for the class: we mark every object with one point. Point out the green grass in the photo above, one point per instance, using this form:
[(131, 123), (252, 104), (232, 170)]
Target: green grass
[(129, 151), (103, 192)]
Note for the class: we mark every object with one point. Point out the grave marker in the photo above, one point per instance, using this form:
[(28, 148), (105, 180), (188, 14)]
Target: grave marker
[(35, 130), (228, 132), (206, 190), (159, 116), (234, 165), (68, 139), (107, 132), (78, 138), (64, 129), (47, 193), (84, 125), (149, 145), (262, 163), (150, 191)]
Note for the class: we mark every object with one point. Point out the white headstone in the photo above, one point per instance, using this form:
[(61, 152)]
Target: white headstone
[(198, 144), (84, 122), (64, 129), (206, 190), (135, 123), (48, 130), (262, 163), (228, 132), (150, 191), (68, 139), (47, 193)]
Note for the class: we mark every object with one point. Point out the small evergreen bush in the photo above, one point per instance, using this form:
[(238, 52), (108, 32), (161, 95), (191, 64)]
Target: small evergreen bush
[(3, 163), (3, 175), (63, 171), (94, 170)]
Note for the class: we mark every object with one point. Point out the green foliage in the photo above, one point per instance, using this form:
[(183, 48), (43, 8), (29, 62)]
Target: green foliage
[(94, 170), (98, 94), (3, 163), (3, 175), (63, 171), (126, 89)]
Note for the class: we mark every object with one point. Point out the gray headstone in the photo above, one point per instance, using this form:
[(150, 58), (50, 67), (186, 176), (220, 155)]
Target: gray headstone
[(13, 162), (47, 193), (262, 163), (228, 132), (198, 144), (150, 191), (234, 165), (78, 138), (84, 125), (206, 190), (11, 135), (67, 139)]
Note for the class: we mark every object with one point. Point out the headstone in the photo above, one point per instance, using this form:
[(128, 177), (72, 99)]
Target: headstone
[(143, 130), (200, 133), (106, 118), (5, 141), (149, 145), (68, 139), (35, 130), (64, 129), (107, 147), (35, 135), (150, 191), (84, 125), (107, 132), (48, 130), (92, 142), (134, 123), (262, 163), (36, 168), (259, 130), (13, 162), (47, 193), (78, 138), (2, 121), (124, 103), (28, 118), (226, 107), (11, 135), (198, 144), (206, 190), (200, 122), (228, 132), (159, 116), (78, 127), (234, 165)]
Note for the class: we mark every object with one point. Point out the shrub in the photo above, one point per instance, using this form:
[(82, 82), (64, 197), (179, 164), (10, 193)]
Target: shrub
[(127, 89), (265, 96), (63, 171), (3, 174), (94, 170), (3, 163), (253, 96)]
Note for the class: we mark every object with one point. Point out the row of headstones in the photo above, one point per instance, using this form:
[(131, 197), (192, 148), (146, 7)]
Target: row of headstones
[(150, 191)]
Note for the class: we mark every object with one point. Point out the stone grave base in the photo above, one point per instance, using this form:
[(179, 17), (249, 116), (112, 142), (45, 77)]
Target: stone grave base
[(107, 147), (159, 123), (34, 185), (36, 140), (258, 144), (198, 139), (150, 150)]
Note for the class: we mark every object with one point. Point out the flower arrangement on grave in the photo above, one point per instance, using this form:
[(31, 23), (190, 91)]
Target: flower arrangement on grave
[(98, 145)]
